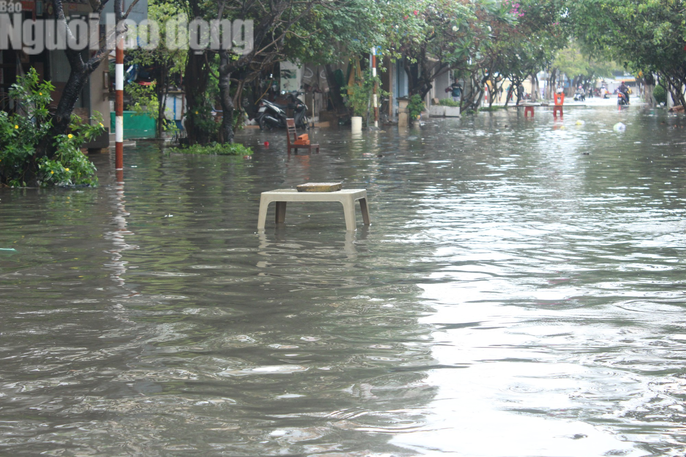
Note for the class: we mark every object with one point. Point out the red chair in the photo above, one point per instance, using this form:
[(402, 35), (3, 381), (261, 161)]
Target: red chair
[(296, 141)]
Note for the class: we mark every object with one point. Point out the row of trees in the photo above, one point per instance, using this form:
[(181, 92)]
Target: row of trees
[(480, 41), (646, 37)]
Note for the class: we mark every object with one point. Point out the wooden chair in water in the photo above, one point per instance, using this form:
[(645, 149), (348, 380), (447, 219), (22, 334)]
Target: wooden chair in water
[(296, 141)]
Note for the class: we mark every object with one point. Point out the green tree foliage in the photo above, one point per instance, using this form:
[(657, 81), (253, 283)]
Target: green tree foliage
[(581, 68), (332, 32), (273, 21), (660, 94), (431, 37), (525, 34), (335, 32), (645, 36)]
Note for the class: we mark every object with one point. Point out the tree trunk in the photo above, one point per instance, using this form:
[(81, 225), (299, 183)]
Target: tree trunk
[(473, 92), (675, 90), (499, 90), (648, 87), (418, 79), (195, 85), (334, 90), (162, 90), (648, 95), (535, 90), (572, 87), (79, 74), (552, 80), (680, 90), (508, 95), (226, 132), (517, 83), (78, 78)]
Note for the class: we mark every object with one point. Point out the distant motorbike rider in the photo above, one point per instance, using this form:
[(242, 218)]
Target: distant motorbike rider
[(624, 89)]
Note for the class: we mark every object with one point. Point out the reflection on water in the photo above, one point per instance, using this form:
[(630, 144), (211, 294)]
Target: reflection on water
[(520, 292)]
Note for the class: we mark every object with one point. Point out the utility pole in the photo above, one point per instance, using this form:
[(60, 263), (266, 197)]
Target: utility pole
[(119, 102), (375, 96)]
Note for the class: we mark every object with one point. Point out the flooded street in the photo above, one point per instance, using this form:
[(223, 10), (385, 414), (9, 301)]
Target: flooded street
[(520, 292)]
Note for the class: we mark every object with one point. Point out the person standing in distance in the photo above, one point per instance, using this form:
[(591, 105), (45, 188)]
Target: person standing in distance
[(455, 91)]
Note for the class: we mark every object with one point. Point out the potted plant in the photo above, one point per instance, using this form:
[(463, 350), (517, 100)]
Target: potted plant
[(359, 98), (358, 101)]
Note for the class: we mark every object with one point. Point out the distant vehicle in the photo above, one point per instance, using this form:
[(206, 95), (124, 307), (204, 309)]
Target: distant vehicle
[(271, 115), (621, 99)]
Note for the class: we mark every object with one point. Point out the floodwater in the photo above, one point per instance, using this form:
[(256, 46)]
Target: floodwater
[(520, 292)]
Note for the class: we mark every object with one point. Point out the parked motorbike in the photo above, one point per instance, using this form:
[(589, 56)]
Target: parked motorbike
[(272, 115), (622, 99)]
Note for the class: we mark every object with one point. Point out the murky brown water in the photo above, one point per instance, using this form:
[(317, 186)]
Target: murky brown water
[(521, 292)]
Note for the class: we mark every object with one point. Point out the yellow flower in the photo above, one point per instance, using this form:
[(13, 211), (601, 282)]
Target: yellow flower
[(52, 172), (66, 169), (70, 136), (40, 93), (16, 127)]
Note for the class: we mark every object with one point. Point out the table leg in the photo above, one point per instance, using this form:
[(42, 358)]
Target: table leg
[(280, 215), (262, 215), (349, 213), (365, 211)]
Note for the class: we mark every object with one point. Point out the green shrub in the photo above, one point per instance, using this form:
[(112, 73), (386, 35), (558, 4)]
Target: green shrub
[(69, 166), (660, 94), (203, 121), (227, 149), (492, 108), (359, 95), (448, 102), (22, 132), (415, 106)]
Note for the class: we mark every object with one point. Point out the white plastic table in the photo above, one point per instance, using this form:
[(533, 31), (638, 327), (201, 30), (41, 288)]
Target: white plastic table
[(346, 197)]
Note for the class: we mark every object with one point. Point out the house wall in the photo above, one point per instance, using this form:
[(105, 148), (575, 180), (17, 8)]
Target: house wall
[(59, 75), (99, 92), (7, 69), (439, 85), (291, 76), (387, 77), (309, 79), (316, 87), (314, 78), (400, 86)]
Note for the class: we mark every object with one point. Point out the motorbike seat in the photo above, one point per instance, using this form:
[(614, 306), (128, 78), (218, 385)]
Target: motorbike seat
[(278, 105)]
